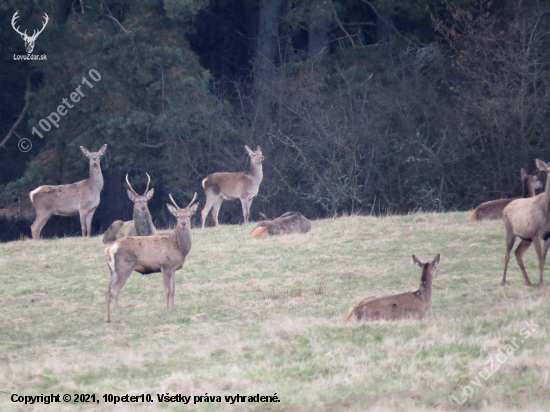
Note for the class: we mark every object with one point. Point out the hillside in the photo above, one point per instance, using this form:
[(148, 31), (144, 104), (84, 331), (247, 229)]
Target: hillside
[(264, 316)]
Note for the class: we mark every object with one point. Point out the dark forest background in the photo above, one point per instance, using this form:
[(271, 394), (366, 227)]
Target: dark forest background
[(380, 106)]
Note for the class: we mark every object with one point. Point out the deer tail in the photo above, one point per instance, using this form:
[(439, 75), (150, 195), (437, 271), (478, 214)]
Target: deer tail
[(204, 182)]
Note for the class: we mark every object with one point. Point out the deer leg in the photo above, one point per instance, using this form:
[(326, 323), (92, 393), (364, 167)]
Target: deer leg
[(541, 255), (82, 214), (168, 277), (545, 252), (89, 217), (245, 202), (522, 247), (117, 282), (510, 240), (207, 206), (216, 210), (38, 224)]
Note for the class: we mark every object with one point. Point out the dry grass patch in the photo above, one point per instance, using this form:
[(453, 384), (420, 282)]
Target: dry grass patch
[(265, 316)]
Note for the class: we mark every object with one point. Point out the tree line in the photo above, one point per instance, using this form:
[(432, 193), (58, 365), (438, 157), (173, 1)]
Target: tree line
[(382, 106)]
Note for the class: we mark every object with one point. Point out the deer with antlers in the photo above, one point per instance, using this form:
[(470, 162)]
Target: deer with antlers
[(288, 223), (151, 254), (141, 223), (494, 208), (530, 220), (231, 186), (416, 305), (29, 40), (80, 198)]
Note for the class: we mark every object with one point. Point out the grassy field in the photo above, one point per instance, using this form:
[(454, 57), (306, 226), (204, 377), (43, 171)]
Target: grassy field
[(265, 316)]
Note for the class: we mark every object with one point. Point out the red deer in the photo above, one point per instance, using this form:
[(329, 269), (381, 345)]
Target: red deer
[(141, 223), (493, 209), (66, 200), (290, 222), (230, 186), (151, 254), (407, 305), (530, 220)]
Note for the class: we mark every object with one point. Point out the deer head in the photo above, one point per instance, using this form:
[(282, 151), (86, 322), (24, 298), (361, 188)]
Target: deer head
[(140, 201), (29, 40)]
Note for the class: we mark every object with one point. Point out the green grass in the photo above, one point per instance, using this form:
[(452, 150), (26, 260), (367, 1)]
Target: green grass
[(265, 316)]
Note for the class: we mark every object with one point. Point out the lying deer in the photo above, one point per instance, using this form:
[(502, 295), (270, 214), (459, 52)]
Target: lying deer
[(80, 198), (151, 254), (141, 223), (290, 222), (404, 306), (493, 209), (530, 220), (230, 186)]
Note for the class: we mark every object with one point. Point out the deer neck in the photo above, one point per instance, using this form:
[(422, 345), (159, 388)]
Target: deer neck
[(183, 239), (96, 178), (547, 192), (425, 288), (528, 190), (256, 172), (143, 223)]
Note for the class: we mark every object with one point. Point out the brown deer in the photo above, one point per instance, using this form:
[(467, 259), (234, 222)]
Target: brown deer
[(530, 220), (66, 200), (141, 223), (230, 186), (493, 209), (407, 305), (290, 222), (151, 254)]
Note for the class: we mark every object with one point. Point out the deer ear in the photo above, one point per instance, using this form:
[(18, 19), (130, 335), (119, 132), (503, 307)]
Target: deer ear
[(262, 216), (172, 209), (541, 165), (193, 209), (258, 149), (103, 150), (248, 149), (85, 151), (522, 173), (436, 260), (149, 194), (417, 261), (131, 196)]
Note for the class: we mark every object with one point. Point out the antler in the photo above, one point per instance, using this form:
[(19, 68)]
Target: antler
[(173, 201), (188, 206), (131, 188), (192, 201), (148, 181), (36, 33), (14, 18)]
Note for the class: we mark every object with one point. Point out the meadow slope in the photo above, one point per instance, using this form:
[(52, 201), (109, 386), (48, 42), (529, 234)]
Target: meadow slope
[(265, 316)]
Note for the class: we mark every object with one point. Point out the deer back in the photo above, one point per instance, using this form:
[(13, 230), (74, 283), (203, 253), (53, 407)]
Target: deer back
[(288, 223), (405, 305)]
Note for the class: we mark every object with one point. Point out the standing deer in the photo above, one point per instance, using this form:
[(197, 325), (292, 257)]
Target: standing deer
[(494, 208), (530, 220), (66, 200), (290, 222), (151, 254), (404, 306), (230, 186), (141, 223)]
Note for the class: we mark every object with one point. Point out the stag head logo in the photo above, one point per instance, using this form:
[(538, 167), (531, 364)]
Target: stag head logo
[(29, 40)]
